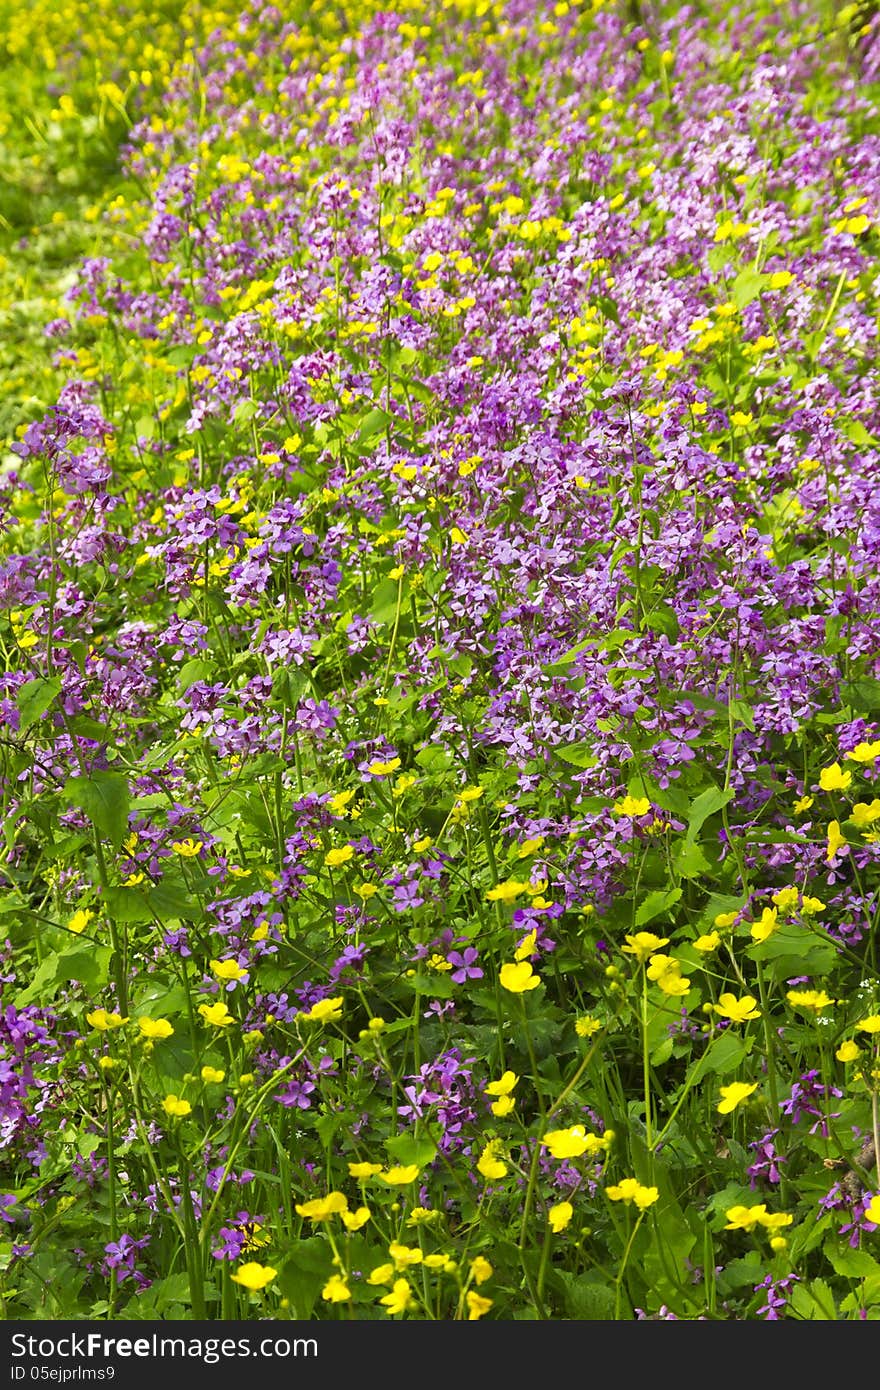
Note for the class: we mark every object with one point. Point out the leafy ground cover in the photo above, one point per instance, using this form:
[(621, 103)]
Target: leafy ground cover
[(439, 604)]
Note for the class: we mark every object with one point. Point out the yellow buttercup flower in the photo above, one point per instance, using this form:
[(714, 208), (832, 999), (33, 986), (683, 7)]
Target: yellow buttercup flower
[(324, 1011), (559, 1216), (104, 1021), (253, 1276), (834, 779), (518, 977), (176, 1107), (737, 1010), (187, 849), (631, 1190), (322, 1208), (155, 1028), (490, 1164), (336, 1290), (643, 944), (734, 1094), (217, 1015)]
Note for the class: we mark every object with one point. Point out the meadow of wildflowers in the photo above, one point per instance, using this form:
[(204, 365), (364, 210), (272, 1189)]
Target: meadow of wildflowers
[(440, 619)]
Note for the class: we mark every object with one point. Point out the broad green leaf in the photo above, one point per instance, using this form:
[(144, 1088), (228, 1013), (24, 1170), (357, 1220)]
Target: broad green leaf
[(105, 800), (35, 697), (661, 900), (578, 754), (305, 1273), (705, 805), (408, 1148)]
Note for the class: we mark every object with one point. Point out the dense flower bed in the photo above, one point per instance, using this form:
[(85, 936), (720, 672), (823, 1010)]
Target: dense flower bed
[(440, 604)]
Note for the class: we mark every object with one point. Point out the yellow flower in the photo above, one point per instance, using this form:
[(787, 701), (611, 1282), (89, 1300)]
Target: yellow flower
[(631, 1190), (400, 1175), (848, 1051), (833, 779), (733, 1095), (217, 1015), (503, 1105), (364, 1170), (567, 1143), (518, 977), (802, 804), (747, 1218), (815, 999), (871, 1024), (380, 769), (508, 890), (481, 1270), (559, 1216), (775, 1220), (404, 1255), (725, 920), (104, 1021), (227, 970), (526, 947), (811, 906), (325, 1011), (865, 752), (632, 806), (490, 1164), (835, 840), (872, 1210), (707, 943), (211, 1076), (353, 1220), (80, 920), (176, 1107), (865, 813), (643, 944), (187, 849), (334, 857), (587, 1027), (253, 1276), (786, 899), (399, 1299), (741, 1218), (665, 971), (504, 1086), (155, 1028), (767, 925), (322, 1208), (477, 1305), (336, 1290), (737, 1010), (382, 1274)]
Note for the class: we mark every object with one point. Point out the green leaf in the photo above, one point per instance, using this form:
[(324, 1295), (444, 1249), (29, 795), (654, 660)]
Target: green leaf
[(722, 1056), (195, 670), (588, 1300), (705, 805), (852, 1264), (578, 754), (244, 411), (372, 424), (690, 861), (105, 799), (35, 697), (814, 1301), (747, 286), (408, 1148), (305, 1274), (661, 900), (87, 964)]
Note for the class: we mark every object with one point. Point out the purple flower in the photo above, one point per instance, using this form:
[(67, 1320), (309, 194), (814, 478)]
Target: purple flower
[(465, 968)]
